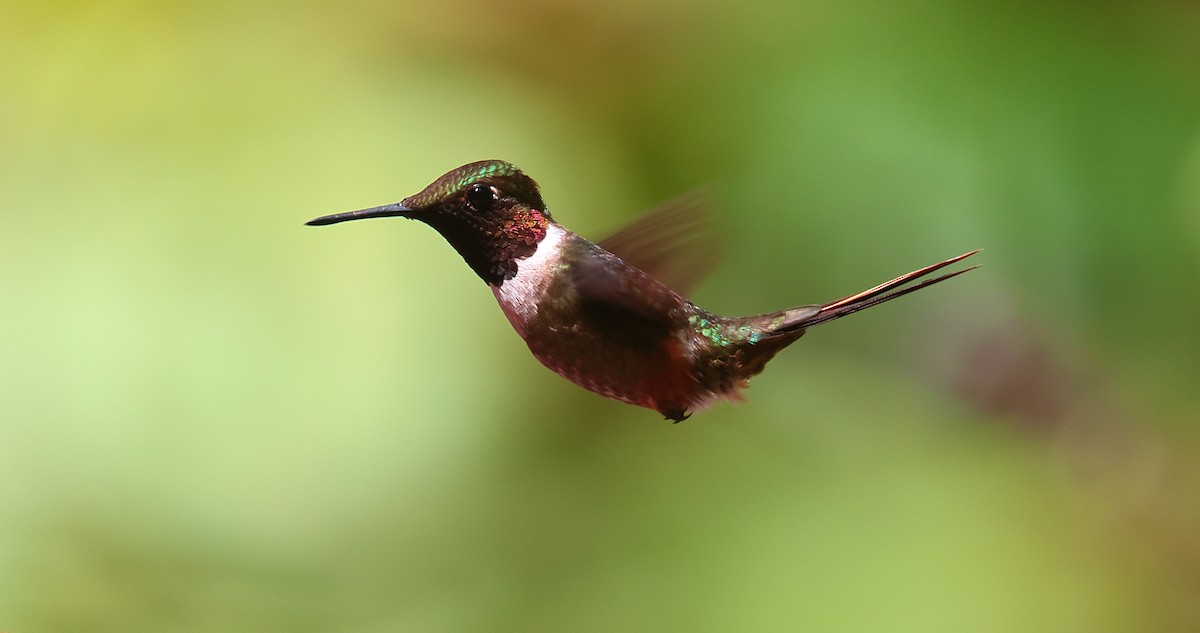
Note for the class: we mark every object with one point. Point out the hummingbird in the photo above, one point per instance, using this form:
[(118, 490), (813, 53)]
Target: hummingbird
[(600, 314)]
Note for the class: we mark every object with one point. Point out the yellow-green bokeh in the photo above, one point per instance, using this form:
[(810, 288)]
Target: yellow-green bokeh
[(215, 418)]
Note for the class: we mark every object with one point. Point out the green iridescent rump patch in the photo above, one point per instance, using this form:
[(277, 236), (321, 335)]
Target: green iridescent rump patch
[(722, 334)]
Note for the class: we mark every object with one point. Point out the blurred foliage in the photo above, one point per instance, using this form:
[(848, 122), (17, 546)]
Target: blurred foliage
[(214, 418)]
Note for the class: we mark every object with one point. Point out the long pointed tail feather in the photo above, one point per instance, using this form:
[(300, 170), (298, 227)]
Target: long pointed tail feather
[(879, 294)]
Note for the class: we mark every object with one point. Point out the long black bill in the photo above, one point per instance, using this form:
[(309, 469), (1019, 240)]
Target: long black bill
[(386, 211)]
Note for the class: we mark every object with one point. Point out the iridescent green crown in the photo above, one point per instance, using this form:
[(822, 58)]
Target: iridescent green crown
[(459, 179)]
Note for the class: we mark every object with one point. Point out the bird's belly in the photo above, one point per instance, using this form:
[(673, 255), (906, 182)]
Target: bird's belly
[(658, 376)]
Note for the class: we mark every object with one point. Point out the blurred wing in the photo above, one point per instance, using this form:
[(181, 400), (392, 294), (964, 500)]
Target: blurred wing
[(622, 303), (672, 243), (612, 293)]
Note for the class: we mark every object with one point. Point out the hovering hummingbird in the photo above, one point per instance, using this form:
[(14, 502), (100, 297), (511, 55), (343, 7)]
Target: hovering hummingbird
[(595, 313)]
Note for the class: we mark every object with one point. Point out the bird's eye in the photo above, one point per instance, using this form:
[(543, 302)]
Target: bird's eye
[(481, 197)]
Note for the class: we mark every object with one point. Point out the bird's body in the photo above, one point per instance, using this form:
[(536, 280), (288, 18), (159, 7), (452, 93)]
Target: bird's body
[(595, 318), (615, 330)]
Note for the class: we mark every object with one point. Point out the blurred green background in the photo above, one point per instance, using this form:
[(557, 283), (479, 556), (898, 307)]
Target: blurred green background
[(215, 418)]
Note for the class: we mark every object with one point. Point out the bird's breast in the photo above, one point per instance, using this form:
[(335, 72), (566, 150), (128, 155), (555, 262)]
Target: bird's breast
[(520, 296)]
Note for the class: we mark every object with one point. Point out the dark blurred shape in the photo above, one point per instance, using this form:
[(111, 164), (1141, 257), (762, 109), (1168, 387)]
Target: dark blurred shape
[(1008, 369)]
